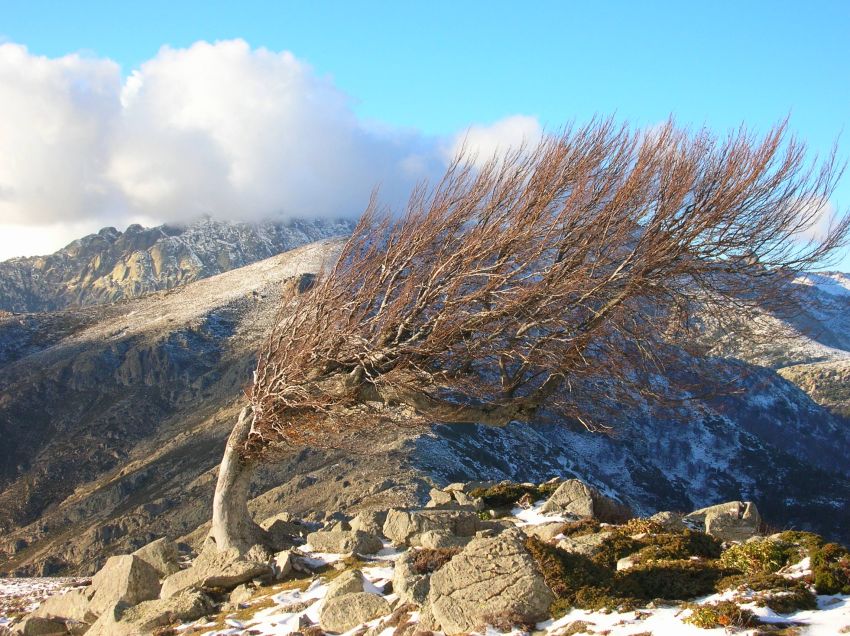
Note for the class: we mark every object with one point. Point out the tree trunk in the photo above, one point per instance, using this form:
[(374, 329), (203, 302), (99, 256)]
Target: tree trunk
[(232, 526)]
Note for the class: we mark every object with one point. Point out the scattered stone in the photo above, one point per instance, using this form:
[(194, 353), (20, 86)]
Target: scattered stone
[(490, 577), (341, 613), (626, 563), (344, 541), (349, 582), (439, 498), (162, 555), (401, 525), (574, 497), (283, 530), (124, 579), (282, 564), (545, 531), (731, 521), (240, 594)]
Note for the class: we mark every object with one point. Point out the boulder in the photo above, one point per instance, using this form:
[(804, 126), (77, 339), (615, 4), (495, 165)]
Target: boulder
[(283, 530), (162, 555), (144, 618), (282, 564), (124, 579), (349, 582), (731, 521), (438, 539), (439, 498), (545, 531), (491, 577), (344, 541), (213, 568), (73, 605), (401, 525), (669, 521), (574, 497), (240, 594), (41, 626), (585, 544), (410, 586), (341, 613), (371, 521)]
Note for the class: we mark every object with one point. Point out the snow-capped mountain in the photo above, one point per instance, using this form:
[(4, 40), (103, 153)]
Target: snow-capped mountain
[(113, 265)]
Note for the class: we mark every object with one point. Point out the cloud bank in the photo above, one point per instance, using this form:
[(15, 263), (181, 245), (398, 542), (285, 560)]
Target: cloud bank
[(218, 129)]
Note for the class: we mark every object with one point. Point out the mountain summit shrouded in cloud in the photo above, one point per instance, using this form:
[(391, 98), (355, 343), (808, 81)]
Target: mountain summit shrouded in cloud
[(214, 129)]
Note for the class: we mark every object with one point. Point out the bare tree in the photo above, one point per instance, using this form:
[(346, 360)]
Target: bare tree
[(507, 288)]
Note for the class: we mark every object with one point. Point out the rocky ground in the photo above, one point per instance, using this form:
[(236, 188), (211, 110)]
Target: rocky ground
[(558, 558)]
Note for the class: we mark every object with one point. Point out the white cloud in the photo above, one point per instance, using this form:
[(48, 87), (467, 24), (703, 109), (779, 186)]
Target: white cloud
[(219, 129), (481, 143)]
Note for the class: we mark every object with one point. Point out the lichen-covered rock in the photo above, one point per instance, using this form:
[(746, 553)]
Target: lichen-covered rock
[(574, 497), (213, 568), (402, 525), (410, 586), (162, 555), (491, 577), (124, 579), (349, 582), (344, 541), (731, 521), (341, 613)]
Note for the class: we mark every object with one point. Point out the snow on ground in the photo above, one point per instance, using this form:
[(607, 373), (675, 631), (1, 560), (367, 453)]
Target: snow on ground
[(832, 283), (20, 595)]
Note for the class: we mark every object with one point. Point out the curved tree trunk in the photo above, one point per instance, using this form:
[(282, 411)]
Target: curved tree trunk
[(232, 526)]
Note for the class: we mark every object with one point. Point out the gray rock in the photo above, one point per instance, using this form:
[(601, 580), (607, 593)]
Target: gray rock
[(341, 613), (283, 529), (73, 605), (731, 521), (144, 618), (41, 626), (349, 582), (124, 579), (282, 564), (344, 541), (439, 498), (669, 521), (626, 563), (213, 568), (162, 555), (491, 577), (410, 586), (574, 497), (371, 521), (438, 539), (469, 486), (240, 594), (401, 525), (544, 531), (585, 544)]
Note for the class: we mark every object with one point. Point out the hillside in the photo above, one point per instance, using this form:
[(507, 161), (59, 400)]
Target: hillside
[(114, 418), (112, 265)]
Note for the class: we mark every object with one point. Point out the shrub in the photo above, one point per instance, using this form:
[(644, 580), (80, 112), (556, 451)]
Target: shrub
[(721, 614), (614, 548), (831, 569), (428, 560), (681, 545), (807, 540), (639, 525), (672, 580), (506, 495), (581, 527), (788, 601), (565, 572), (757, 582), (758, 556)]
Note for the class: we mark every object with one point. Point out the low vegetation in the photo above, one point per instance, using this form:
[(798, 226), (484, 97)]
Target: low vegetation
[(429, 560), (721, 614), (508, 494), (831, 569)]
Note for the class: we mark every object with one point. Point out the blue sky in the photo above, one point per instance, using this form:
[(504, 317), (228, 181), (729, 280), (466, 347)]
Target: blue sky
[(438, 67)]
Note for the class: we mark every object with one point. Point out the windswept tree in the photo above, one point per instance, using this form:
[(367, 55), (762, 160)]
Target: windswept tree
[(506, 288)]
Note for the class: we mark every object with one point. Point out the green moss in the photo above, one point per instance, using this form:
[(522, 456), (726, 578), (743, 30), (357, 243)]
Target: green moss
[(721, 614), (807, 540), (831, 569), (758, 556), (506, 495), (564, 572), (788, 601), (757, 582), (681, 545), (673, 580)]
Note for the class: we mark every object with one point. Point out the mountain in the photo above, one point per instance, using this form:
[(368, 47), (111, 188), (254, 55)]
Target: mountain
[(114, 418), (112, 265)]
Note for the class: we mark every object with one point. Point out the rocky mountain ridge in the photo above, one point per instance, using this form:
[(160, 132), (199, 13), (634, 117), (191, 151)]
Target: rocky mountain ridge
[(114, 419), (113, 265)]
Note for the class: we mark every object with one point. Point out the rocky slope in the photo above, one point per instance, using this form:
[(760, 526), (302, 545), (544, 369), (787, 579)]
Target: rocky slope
[(113, 265), (113, 420)]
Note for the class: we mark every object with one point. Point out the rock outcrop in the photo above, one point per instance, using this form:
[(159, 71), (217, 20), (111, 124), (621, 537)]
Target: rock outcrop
[(576, 498)]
